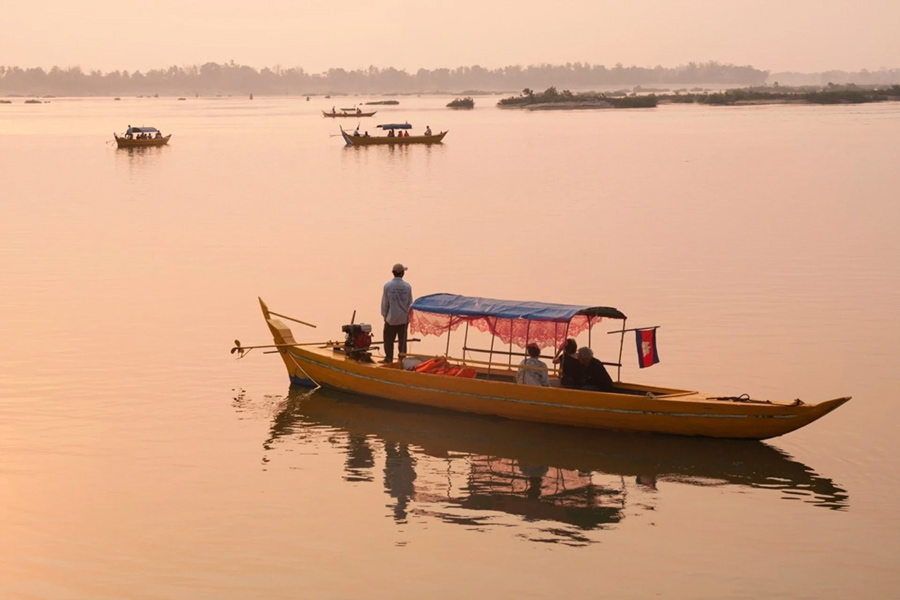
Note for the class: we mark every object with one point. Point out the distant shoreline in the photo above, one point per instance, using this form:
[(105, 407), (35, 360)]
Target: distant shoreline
[(552, 99)]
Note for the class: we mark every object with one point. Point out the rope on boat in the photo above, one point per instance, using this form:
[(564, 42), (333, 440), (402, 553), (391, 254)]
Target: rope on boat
[(741, 398), (747, 398)]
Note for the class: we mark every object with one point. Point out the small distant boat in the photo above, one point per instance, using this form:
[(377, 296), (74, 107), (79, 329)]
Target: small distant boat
[(347, 112), (132, 138), (354, 139), (33, 101)]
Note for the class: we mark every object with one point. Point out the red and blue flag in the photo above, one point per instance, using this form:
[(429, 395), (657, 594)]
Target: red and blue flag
[(646, 347)]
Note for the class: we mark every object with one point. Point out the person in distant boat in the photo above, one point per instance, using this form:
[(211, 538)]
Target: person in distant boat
[(333, 111), (158, 134), (359, 112), (396, 299), (569, 366), (405, 134), (537, 374), (390, 133), (128, 134), (356, 132), (428, 130), (366, 134), (595, 376)]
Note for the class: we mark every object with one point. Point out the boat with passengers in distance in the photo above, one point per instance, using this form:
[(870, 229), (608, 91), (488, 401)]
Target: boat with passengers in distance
[(489, 387), (140, 137), (348, 112), (394, 136)]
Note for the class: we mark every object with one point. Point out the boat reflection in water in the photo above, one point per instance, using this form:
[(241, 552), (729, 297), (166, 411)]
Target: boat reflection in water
[(465, 468)]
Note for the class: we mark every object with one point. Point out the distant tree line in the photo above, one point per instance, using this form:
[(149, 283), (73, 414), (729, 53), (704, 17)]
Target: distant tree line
[(830, 94), (230, 78), (863, 77)]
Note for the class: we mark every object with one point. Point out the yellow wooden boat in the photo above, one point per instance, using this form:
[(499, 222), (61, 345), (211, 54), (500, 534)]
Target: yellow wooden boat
[(132, 138), (354, 139), (493, 390)]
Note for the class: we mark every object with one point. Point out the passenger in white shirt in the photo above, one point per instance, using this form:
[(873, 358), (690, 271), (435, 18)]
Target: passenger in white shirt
[(395, 302), (536, 375)]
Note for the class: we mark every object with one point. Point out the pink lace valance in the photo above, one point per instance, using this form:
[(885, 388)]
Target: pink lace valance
[(519, 332)]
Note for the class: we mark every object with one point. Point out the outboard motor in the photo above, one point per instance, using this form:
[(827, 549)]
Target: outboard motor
[(357, 340)]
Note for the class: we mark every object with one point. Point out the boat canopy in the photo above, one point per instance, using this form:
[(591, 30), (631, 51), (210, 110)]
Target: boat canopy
[(395, 126), (142, 130), (515, 322)]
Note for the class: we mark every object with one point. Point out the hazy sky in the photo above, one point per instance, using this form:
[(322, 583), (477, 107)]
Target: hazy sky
[(776, 35)]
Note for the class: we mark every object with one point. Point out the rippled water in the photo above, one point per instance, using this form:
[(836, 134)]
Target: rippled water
[(139, 459)]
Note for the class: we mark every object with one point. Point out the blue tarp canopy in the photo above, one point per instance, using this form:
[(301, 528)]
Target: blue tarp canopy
[(142, 130), (470, 306), (395, 126)]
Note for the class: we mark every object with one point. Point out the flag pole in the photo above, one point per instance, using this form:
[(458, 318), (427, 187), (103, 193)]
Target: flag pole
[(621, 345), (633, 329)]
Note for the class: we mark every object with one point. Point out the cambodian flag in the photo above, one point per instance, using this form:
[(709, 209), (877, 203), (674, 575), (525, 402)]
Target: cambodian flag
[(646, 347)]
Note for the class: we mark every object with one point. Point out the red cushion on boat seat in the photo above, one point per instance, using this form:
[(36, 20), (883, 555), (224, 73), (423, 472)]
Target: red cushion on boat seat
[(430, 365)]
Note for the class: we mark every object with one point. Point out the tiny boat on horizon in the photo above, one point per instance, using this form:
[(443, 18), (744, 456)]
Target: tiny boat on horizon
[(348, 112)]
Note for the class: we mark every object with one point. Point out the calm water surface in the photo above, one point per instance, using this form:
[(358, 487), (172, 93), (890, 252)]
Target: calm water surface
[(139, 459)]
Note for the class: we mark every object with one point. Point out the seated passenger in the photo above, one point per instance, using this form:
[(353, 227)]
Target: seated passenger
[(428, 130), (536, 375), (405, 134), (570, 369), (159, 134), (595, 376), (391, 133), (366, 134)]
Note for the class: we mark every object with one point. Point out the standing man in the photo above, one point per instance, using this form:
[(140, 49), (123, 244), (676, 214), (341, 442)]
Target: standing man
[(395, 303)]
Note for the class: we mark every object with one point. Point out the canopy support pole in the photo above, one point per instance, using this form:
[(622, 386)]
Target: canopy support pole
[(491, 355), (465, 341), (449, 330), (510, 342), (621, 344), (590, 325)]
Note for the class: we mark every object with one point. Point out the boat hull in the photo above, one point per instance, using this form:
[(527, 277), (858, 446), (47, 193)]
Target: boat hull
[(135, 143), (354, 140), (348, 114), (633, 408)]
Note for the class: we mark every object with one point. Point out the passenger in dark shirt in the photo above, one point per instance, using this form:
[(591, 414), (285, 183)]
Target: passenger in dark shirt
[(595, 376), (569, 367)]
